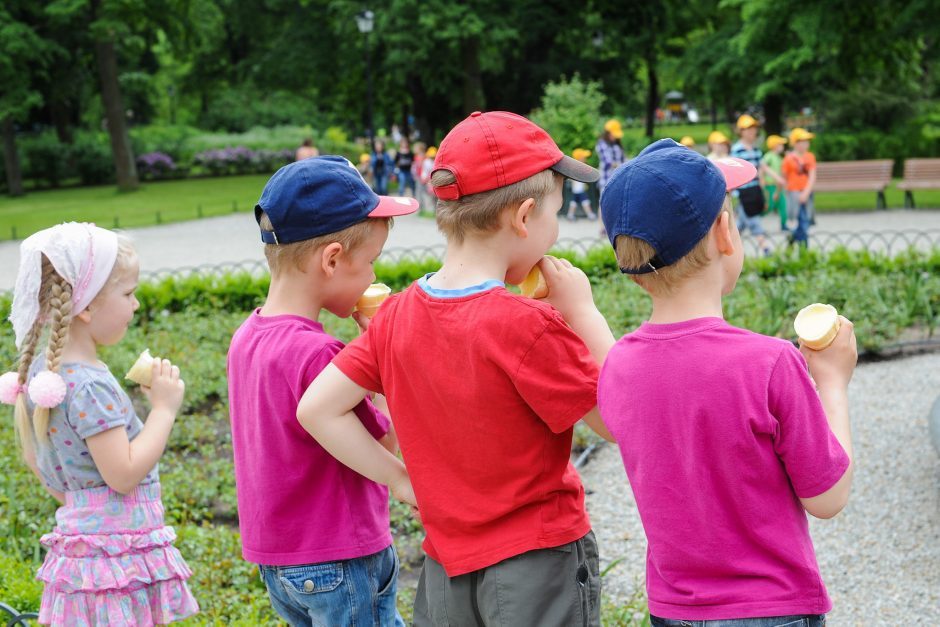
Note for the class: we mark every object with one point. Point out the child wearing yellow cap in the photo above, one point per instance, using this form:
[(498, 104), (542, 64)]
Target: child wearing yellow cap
[(719, 146), (799, 169), (776, 196), (579, 191)]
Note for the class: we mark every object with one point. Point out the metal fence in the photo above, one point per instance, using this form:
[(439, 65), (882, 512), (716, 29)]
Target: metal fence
[(882, 242)]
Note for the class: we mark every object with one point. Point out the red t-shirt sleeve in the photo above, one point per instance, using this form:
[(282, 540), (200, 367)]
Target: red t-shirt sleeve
[(358, 360), (813, 458), (557, 377), (375, 422)]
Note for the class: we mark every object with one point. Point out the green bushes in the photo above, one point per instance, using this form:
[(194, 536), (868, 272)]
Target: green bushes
[(88, 160)]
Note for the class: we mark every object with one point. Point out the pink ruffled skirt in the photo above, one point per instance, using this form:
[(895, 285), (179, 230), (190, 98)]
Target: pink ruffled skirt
[(111, 561)]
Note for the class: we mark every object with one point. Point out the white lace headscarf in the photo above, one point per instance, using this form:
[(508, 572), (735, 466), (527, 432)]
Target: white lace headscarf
[(83, 254)]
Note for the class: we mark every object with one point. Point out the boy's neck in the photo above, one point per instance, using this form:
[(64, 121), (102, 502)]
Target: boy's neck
[(292, 295), (698, 297), (472, 262)]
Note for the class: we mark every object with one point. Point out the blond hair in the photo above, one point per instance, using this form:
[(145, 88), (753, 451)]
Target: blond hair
[(295, 254), (480, 213), (55, 311), (633, 252)]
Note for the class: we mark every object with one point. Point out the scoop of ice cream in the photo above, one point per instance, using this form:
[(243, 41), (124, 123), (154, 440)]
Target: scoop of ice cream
[(142, 370), (368, 304), (533, 286), (817, 325)]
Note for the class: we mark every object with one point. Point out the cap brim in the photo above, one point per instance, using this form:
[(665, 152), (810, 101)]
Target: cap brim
[(576, 170), (391, 206), (736, 171)]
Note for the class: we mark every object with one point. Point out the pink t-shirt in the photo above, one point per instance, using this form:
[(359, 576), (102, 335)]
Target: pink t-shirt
[(296, 503), (721, 432)]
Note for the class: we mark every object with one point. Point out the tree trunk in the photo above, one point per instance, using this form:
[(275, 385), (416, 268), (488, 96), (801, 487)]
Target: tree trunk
[(473, 99), (773, 114), (11, 161), (652, 97), (124, 166)]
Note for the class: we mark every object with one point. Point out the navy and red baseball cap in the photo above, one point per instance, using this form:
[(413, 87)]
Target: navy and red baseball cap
[(490, 150), (669, 196), (322, 195)]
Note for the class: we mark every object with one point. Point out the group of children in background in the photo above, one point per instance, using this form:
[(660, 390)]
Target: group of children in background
[(410, 166), (727, 438), (787, 178)]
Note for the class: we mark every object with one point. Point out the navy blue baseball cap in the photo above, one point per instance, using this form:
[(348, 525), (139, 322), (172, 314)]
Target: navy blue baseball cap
[(669, 196), (321, 195)]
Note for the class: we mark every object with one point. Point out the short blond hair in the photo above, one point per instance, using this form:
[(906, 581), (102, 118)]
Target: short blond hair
[(282, 256), (480, 213), (633, 252)]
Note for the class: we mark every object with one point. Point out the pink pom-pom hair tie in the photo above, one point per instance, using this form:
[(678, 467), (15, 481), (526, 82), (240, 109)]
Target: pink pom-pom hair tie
[(10, 388), (47, 389)]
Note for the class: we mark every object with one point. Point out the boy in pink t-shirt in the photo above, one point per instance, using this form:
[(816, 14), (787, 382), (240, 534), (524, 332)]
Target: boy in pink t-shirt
[(723, 435), (318, 530)]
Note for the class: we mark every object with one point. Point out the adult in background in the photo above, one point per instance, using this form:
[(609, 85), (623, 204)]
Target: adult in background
[(306, 150), (382, 166), (404, 159)]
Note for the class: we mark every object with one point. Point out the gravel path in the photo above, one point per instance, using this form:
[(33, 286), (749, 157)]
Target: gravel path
[(880, 558)]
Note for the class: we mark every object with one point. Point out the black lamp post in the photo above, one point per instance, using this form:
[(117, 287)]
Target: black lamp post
[(364, 22)]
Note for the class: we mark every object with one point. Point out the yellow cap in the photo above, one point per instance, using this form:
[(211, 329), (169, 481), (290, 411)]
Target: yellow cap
[(746, 121), (364, 158), (580, 153), (775, 140), (613, 127), (717, 137), (687, 141), (799, 134), (430, 152)]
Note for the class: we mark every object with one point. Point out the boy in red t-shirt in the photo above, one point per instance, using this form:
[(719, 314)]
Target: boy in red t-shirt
[(486, 387), (799, 170)]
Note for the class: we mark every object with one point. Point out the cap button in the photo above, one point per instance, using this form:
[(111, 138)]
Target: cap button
[(309, 586), (476, 114)]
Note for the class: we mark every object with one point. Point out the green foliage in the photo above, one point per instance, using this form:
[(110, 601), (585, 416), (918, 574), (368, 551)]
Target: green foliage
[(238, 109), (45, 159), (571, 113), (91, 155), (18, 585)]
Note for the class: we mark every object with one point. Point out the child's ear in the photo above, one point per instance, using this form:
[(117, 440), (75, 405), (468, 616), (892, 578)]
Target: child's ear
[(722, 229), (520, 216), (85, 315), (329, 257)]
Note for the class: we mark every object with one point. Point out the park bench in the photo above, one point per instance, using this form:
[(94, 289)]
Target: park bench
[(855, 176), (919, 174)]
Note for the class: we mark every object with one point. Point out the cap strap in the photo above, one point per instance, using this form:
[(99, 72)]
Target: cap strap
[(654, 264)]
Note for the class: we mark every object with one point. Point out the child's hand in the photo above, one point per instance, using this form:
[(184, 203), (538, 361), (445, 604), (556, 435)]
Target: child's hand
[(569, 290), (833, 366), (362, 321), (804, 196), (166, 388)]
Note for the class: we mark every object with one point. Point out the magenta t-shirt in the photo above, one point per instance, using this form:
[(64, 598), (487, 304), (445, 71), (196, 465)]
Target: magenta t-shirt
[(296, 503), (721, 432)]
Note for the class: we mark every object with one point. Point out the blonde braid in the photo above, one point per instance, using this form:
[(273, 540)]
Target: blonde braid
[(23, 423), (60, 319)]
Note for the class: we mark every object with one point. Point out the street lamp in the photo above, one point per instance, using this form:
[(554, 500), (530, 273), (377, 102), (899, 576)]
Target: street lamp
[(364, 22)]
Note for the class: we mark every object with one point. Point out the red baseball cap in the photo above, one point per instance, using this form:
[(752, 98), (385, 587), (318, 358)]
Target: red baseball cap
[(498, 148)]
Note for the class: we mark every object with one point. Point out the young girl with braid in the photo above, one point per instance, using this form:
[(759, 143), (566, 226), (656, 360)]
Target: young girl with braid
[(110, 557)]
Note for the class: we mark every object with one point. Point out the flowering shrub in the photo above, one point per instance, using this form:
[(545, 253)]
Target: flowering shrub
[(155, 165)]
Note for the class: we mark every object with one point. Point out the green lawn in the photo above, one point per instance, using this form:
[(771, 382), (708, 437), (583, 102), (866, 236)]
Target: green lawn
[(172, 200)]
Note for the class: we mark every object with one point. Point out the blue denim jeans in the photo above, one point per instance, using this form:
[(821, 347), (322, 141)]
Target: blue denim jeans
[(380, 184), (354, 593), (405, 180), (766, 621)]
